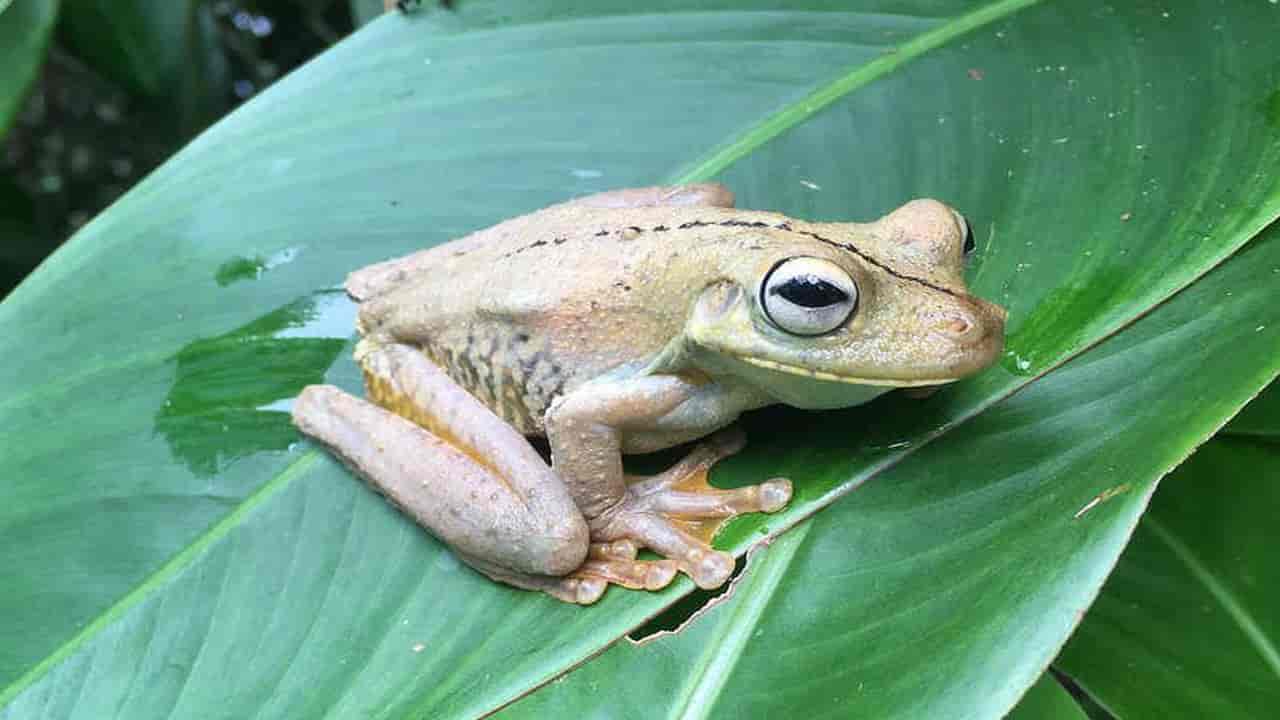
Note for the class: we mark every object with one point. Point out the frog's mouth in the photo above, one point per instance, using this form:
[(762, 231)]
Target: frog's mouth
[(847, 379)]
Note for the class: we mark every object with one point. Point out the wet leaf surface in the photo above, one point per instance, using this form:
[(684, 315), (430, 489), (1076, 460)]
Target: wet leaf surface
[(162, 561)]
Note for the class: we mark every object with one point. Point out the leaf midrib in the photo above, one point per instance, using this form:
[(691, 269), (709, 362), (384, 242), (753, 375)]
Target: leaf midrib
[(1223, 594), (857, 77)]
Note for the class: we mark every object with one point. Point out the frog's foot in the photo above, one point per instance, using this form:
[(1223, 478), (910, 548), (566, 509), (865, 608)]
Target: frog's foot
[(677, 512), (616, 562), (606, 563)]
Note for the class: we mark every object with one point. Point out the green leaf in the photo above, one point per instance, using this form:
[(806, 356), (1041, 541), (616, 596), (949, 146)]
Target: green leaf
[(170, 549), (24, 36), (1260, 417), (1047, 700), (1188, 626), (945, 586), (165, 50)]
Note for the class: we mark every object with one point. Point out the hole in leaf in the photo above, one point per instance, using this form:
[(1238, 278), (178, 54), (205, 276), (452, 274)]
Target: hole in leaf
[(674, 618)]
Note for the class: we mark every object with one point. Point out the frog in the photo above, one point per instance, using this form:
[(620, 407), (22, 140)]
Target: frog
[(628, 322)]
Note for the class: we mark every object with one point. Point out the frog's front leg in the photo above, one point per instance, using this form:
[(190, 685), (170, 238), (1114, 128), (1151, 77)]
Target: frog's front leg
[(468, 477), (587, 429)]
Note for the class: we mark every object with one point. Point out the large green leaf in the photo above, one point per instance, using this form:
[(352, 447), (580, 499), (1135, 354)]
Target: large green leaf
[(174, 538), (1189, 624), (1025, 507), (24, 34)]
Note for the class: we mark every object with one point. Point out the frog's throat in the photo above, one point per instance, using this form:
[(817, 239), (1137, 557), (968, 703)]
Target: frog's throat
[(820, 375)]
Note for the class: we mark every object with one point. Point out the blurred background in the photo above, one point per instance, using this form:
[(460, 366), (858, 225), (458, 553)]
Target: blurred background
[(94, 94)]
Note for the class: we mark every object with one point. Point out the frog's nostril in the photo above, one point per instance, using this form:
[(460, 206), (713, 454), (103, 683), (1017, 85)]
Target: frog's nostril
[(954, 326)]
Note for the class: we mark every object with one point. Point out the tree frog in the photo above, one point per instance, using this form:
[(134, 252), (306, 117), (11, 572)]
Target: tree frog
[(628, 322)]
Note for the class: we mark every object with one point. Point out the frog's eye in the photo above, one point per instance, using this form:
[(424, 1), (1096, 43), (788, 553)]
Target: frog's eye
[(808, 296)]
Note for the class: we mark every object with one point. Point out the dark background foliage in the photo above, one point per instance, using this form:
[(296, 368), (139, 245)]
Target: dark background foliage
[(107, 106)]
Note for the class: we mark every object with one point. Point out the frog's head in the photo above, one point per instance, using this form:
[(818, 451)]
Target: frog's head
[(829, 315)]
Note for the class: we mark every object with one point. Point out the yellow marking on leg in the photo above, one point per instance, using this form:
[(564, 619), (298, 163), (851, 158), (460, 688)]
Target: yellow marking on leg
[(385, 394), (704, 529)]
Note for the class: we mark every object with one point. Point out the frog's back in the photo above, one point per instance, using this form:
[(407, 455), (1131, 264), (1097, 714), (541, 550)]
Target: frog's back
[(529, 309), (549, 237)]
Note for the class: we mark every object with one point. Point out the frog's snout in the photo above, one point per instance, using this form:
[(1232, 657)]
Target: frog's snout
[(973, 326), (958, 327), (999, 312)]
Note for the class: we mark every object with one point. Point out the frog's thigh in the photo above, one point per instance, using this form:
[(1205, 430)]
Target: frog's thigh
[(701, 194), (497, 507)]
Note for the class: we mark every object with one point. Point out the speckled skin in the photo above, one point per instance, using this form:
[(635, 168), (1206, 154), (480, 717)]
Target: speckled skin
[(538, 305), (626, 322)]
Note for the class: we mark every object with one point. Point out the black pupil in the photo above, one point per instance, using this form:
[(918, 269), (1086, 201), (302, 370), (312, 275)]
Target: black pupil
[(810, 291), (969, 244)]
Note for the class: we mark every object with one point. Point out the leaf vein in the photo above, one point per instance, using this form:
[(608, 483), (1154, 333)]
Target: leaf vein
[(171, 569), (856, 77), (1220, 592)]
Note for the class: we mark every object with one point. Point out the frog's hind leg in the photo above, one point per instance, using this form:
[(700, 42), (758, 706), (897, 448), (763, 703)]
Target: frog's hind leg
[(466, 476), (455, 495)]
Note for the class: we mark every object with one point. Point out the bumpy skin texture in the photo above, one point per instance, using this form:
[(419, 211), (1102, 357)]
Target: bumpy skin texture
[(628, 321), (538, 305)]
